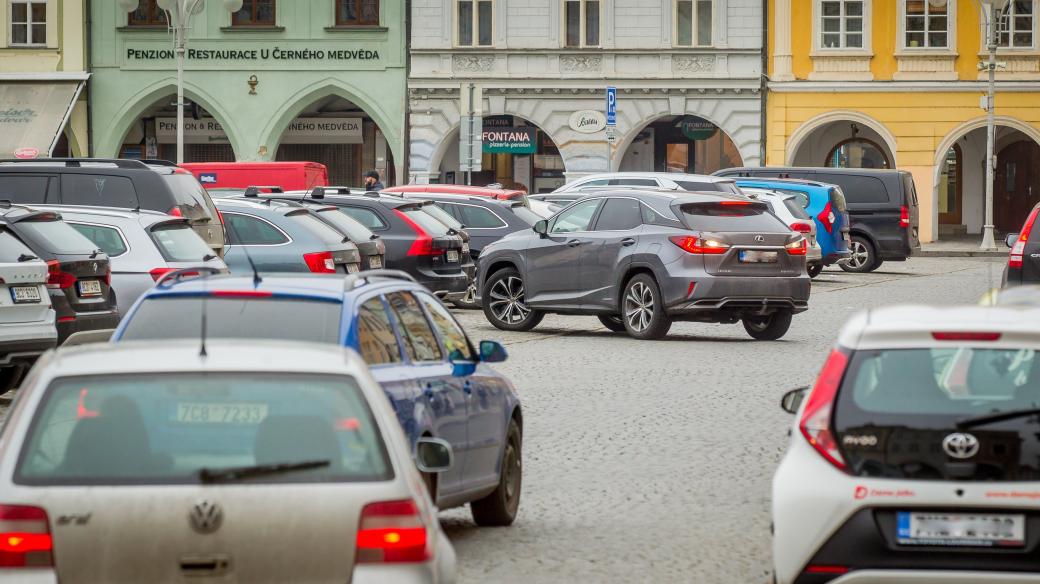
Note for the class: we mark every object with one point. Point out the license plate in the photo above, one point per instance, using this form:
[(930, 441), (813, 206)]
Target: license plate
[(453, 255), (465, 248), (353, 268), (375, 262), (220, 413), (960, 529), (754, 256), (89, 288), (25, 294)]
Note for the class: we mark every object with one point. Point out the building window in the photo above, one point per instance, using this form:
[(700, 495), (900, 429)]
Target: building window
[(254, 13), (694, 22), (857, 153), (357, 12), (28, 23), (581, 19), (148, 13), (1015, 28), (927, 24), (475, 19), (841, 24)]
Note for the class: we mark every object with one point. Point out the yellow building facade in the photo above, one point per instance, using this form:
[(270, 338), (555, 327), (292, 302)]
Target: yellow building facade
[(44, 68), (897, 84)]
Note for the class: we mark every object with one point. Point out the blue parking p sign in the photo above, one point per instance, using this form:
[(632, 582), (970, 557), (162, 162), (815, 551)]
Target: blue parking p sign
[(612, 106)]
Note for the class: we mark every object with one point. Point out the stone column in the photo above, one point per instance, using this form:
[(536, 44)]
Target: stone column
[(782, 41)]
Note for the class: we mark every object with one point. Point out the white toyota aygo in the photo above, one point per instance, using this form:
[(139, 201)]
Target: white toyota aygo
[(916, 456)]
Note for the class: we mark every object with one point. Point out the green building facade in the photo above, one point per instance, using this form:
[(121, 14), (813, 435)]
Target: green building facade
[(318, 80)]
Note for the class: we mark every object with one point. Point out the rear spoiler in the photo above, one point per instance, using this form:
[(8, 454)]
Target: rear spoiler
[(88, 337)]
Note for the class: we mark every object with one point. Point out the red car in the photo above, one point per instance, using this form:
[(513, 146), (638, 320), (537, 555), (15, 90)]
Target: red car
[(494, 193)]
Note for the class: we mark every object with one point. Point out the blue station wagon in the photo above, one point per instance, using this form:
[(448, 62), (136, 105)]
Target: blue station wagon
[(438, 383)]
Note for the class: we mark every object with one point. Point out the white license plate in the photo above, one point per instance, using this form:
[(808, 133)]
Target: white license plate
[(375, 262), (465, 248), (25, 294), (89, 288), (754, 256), (220, 413), (353, 268), (453, 255), (960, 529)]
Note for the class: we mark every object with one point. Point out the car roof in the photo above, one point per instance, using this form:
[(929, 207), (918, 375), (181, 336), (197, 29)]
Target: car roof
[(796, 182), (319, 286), (911, 326), (672, 176), (815, 169), (142, 216), (462, 198), (78, 165), (664, 195), (453, 190)]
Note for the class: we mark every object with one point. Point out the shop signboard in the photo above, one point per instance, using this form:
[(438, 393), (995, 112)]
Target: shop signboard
[(698, 129), (299, 131), (587, 121), (509, 140)]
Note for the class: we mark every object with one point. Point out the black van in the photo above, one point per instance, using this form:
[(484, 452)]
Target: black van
[(882, 206)]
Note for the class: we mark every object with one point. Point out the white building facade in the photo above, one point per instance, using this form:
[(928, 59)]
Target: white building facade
[(687, 73)]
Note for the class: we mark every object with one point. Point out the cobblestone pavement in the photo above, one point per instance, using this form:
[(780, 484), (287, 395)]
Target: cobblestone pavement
[(652, 461)]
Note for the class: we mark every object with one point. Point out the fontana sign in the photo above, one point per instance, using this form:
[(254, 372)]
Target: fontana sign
[(509, 140)]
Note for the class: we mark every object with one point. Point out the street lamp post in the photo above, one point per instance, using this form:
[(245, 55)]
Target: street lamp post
[(178, 15), (991, 9)]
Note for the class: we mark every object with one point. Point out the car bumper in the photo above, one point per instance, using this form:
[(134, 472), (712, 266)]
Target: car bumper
[(88, 321), (451, 287), (814, 255), (836, 256), (25, 350), (933, 577), (736, 294)]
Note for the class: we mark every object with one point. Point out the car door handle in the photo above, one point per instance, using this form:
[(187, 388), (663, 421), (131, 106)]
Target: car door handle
[(628, 241), (467, 387), (574, 243)]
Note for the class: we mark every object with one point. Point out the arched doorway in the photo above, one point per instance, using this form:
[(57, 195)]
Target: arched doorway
[(1016, 184), (951, 189), (687, 144), (857, 153), (844, 143), (154, 134), (338, 133), (515, 153)]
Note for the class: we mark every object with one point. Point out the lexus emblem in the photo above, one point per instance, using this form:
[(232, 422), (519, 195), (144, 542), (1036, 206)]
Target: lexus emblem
[(959, 445), (206, 517), (759, 238)]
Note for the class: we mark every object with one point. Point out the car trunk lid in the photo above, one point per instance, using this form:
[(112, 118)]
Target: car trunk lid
[(23, 296)]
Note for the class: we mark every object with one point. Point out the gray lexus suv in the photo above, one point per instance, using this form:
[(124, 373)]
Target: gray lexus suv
[(642, 259)]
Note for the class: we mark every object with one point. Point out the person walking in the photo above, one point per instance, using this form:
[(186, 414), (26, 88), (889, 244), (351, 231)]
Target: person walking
[(372, 182)]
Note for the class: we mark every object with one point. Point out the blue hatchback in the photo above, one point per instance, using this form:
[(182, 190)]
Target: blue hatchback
[(825, 204), (439, 384)]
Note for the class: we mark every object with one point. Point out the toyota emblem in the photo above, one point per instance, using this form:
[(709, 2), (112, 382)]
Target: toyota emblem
[(206, 517), (760, 238), (959, 445)]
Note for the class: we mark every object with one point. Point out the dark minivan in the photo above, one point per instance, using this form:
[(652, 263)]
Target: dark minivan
[(882, 205)]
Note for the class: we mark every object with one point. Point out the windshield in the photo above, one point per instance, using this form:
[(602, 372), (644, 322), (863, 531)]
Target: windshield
[(442, 216), (57, 237), (733, 216), (164, 428), (191, 198), (288, 319), (347, 224), (180, 243)]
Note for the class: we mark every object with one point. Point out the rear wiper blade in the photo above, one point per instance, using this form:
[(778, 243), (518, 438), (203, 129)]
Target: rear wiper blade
[(996, 417), (27, 258), (216, 475)]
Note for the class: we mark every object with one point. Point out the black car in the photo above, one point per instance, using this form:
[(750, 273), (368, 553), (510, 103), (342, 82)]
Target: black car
[(1023, 265), (155, 185), (484, 219), (79, 274), (882, 206)]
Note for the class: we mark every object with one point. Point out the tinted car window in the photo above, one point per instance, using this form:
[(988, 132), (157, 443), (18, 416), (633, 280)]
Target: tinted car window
[(354, 230), (688, 185), (419, 339), (858, 189), (910, 192), (577, 218), (794, 205), (837, 199), (11, 248), (180, 243), (366, 217), (718, 217), (803, 198), (99, 190), (633, 182), (600, 182), (430, 224), (57, 237), (236, 318), (526, 215), (162, 429), (319, 228), (247, 230), (376, 334), (452, 336), (439, 213), (479, 217), (28, 189), (619, 214), (190, 196), (107, 238)]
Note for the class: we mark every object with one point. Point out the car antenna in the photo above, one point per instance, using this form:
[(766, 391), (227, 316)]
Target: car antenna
[(202, 325), (245, 249)]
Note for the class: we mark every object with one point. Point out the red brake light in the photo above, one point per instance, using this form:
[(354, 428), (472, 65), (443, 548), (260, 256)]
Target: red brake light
[(241, 293), (796, 248), (391, 532), (734, 203), (965, 336), (56, 278), (175, 211), (423, 244), (320, 262), (904, 216), (801, 227), (700, 246), (826, 569), (158, 273), (1018, 250), (815, 424), (826, 218), (25, 537)]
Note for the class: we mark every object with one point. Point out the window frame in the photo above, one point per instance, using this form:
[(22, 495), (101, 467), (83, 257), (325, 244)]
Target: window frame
[(695, 40), (951, 30), (289, 240), (1010, 48), (158, 20), (582, 25), (348, 24), (468, 228), (390, 317), (126, 244), (253, 23), (817, 37), (475, 18), (28, 24)]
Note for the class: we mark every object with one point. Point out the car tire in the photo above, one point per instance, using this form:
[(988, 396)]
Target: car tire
[(612, 322), (505, 305), (469, 301), (814, 270), (499, 508), (642, 309), (770, 327), (430, 482), (864, 256)]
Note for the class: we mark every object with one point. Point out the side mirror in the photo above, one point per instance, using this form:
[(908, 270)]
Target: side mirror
[(87, 337), (792, 400), (1011, 239), (433, 455), (492, 352), (541, 227)]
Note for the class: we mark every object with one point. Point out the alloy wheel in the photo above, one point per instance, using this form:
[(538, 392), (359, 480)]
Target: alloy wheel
[(511, 468), (860, 255), (507, 300), (639, 306)]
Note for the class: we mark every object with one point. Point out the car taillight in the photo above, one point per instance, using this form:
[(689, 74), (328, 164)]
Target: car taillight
[(320, 262), (1018, 250), (175, 211), (797, 248), (904, 216), (391, 532), (700, 245), (158, 273), (56, 278), (25, 537), (827, 218), (423, 244), (108, 276), (815, 424), (965, 336), (801, 227)]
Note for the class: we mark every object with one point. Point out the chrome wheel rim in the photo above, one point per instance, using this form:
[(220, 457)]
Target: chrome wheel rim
[(639, 307), (507, 302), (859, 256)]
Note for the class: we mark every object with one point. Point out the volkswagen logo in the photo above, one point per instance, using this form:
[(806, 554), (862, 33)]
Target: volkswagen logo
[(960, 445), (206, 517), (760, 238)]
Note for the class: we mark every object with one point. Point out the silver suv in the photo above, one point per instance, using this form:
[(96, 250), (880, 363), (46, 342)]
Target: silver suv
[(26, 316)]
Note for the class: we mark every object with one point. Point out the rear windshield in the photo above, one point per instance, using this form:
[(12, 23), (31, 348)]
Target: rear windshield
[(165, 428), (56, 237), (442, 216), (733, 217), (837, 198), (241, 318), (318, 227), (180, 243), (795, 207), (107, 238), (352, 227), (526, 215), (426, 221), (191, 198), (720, 186), (803, 198), (11, 248)]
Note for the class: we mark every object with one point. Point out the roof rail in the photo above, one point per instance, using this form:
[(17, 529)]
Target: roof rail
[(158, 162), (253, 191), (75, 162), (354, 280), (170, 278)]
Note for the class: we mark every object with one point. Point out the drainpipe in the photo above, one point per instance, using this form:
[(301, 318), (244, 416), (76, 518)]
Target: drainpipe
[(89, 50), (406, 174), (764, 84)]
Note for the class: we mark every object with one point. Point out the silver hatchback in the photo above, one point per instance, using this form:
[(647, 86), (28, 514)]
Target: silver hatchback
[(251, 462)]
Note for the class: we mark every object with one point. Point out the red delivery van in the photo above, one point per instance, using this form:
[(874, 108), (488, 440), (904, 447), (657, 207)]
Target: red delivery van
[(291, 176)]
